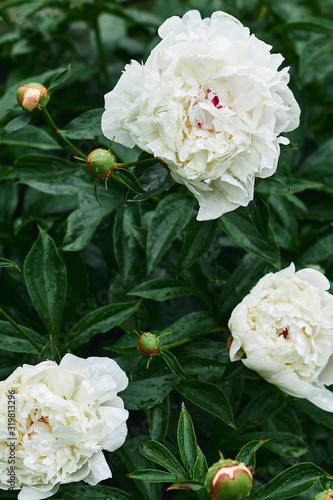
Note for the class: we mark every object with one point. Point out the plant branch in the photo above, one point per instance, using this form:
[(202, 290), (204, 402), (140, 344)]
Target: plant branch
[(149, 161), (19, 329), (62, 139)]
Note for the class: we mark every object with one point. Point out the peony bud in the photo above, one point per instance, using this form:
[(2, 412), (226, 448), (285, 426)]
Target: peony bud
[(228, 480), (100, 163), (149, 344), (32, 96), (325, 495)]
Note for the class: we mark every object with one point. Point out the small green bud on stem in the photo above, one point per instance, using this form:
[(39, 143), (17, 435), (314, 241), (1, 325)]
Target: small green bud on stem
[(32, 96), (149, 344), (228, 480), (325, 495), (100, 163)]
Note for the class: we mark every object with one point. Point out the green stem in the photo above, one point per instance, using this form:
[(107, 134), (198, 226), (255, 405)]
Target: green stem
[(19, 329), (62, 139), (101, 53), (149, 161)]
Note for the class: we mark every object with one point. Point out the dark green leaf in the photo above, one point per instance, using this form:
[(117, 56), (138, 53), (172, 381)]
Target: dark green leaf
[(187, 441), (170, 217), (31, 137), (17, 123), (263, 406), (50, 351), (124, 242), (129, 179), (247, 454), (154, 180), (12, 341), (134, 461), (158, 420), (156, 452), (42, 167), (200, 467), (77, 491), (83, 222), (209, 397), (100, 321), (60, 77), (290, 482), (46, 280), (153, 476), (199, 238), (245, 276), (259, 215), (281, 443), (238, 227), (187, 328), (162, 289), (8, 263), (187, 485), (174, 365), (85, 126), (148, 392)]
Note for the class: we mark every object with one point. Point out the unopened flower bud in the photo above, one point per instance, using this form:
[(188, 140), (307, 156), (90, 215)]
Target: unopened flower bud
[(100, 163), (32, 96), (325, 495), (149, 344), (228, 480)]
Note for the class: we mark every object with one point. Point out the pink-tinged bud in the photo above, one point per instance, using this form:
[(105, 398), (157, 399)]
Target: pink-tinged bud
[(100, 163), (325, 495), (228, 480), (149, 344), (32, 96)]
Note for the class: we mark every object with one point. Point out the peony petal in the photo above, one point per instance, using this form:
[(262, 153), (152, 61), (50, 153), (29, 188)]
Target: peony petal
[(28, 493), (99, 469), (290, 383)]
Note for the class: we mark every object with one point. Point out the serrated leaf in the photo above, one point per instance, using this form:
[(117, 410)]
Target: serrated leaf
[(46, 280)]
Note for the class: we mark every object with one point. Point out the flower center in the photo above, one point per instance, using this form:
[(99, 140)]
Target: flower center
[(39, 427), (284, 332), (205, 107)]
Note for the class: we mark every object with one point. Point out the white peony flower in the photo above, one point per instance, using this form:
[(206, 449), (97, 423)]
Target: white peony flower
[(211, 103), (64, 417), (284, 326)]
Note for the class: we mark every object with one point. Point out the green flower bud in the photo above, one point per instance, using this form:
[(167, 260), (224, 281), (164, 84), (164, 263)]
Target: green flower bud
[(228, 480), (149, 344), (100, 163), (325, 495), (32, 96)]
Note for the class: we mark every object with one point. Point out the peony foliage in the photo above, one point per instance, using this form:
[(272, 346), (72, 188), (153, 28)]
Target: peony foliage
[(166, 194)]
